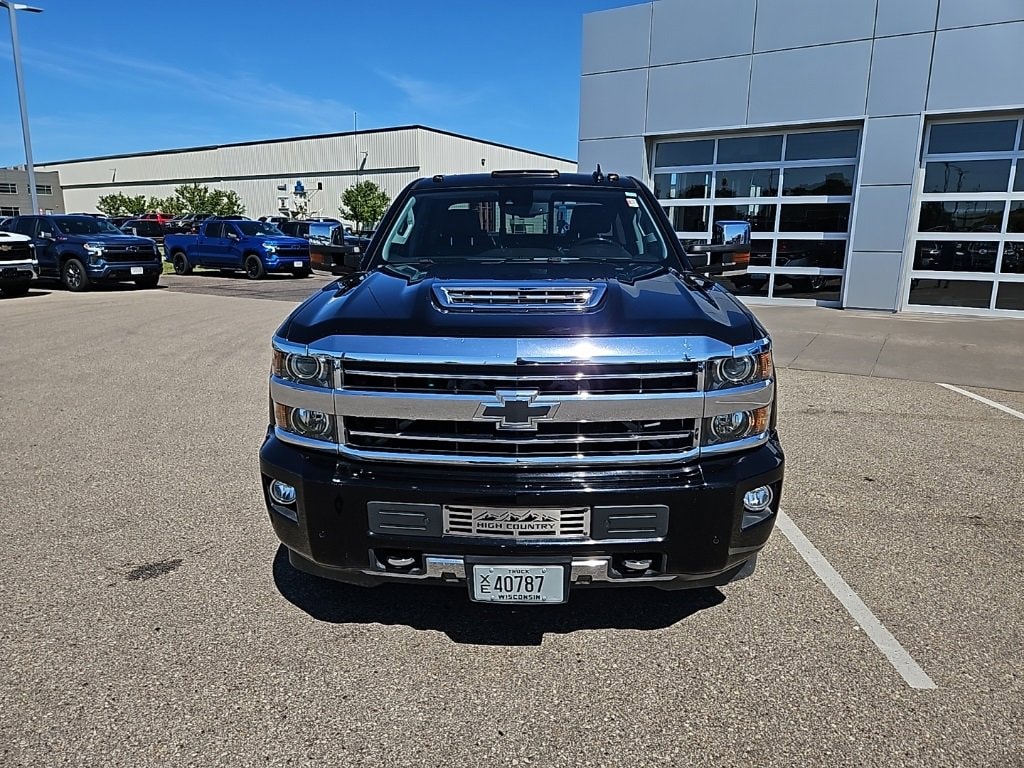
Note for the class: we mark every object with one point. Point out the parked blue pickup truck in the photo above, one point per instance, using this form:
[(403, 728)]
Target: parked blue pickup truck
[(257, 247), (83, 250)]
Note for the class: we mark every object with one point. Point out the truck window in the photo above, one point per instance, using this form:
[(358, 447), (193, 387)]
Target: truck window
[(214, 229), (26, 226)]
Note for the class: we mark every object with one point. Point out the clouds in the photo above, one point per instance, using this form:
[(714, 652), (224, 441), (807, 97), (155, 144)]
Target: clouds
[(432, 96)]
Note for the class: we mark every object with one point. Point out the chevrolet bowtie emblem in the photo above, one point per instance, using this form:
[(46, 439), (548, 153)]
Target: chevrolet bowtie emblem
[(516, 409)]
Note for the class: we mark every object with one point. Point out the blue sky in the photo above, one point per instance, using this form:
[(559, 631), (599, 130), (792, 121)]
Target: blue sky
[(106, 76)]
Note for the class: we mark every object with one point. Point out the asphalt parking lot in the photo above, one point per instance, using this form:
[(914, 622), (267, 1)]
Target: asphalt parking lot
[(148, 617)]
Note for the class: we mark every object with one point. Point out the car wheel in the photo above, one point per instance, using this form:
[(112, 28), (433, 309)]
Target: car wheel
[(15, 289), (74, 276), (254, 268), (181, 265), (150, 281), (302, 272)]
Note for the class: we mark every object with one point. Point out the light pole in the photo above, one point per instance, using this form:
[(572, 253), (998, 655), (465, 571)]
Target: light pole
[(12, 9)]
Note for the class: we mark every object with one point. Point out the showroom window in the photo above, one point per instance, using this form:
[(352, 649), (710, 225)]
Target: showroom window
[(968, 246), (795, 189), (8, 188)]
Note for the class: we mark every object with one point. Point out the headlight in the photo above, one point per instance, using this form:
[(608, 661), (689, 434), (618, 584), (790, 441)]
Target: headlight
[(270, 247), (302, 369), (729, 427), (306, 422), (94, 249), (727, 372)]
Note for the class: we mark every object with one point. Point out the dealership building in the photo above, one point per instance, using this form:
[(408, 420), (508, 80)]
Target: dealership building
[(16, 200), (267, 174), (875, 146)]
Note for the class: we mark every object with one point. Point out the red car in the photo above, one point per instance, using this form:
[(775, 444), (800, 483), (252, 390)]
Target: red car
[(163, 218)]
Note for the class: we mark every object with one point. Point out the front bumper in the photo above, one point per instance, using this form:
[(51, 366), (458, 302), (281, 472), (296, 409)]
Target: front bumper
[(122, 270), (21, 271), (708, 540), (284, 262)]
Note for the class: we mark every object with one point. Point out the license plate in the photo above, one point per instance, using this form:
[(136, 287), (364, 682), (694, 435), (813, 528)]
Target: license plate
[(136, 270), (518, 584), (296, 263)]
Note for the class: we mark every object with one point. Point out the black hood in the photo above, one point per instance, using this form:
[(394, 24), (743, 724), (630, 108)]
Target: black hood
[(666, 303)]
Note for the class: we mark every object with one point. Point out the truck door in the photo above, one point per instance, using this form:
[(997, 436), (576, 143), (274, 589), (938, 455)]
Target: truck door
[(210, 245), (43, 237), (232, 246)]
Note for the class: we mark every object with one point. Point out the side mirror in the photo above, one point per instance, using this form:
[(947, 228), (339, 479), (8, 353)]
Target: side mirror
[(46, 236), (729, 238), (232, 236)]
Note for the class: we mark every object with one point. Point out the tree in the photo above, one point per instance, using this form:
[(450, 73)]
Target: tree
[(198, 198), (120, 204), (364, 203)]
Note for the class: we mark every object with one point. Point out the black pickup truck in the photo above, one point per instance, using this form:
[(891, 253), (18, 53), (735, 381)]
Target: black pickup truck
[(525, 389)]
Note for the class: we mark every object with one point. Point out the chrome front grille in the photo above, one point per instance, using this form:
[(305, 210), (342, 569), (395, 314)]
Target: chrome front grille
[(558, 378), (15, 251), (119, 253), (517, 522), (555, 439), (502, 296)]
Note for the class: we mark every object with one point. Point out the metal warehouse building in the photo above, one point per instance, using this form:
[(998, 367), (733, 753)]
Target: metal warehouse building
[(875, 146), (265, 172)]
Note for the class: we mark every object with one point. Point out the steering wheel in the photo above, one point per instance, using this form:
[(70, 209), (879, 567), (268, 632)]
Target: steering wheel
[(595, 240)]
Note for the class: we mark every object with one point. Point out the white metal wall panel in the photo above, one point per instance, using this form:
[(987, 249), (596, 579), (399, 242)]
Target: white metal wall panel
[(391, 159)]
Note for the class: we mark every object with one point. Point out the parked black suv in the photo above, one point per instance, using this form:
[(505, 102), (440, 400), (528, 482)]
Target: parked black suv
[(526, 389), (82, 250)]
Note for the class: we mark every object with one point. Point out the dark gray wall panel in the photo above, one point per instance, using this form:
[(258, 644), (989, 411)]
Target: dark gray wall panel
[(963, 13), (902, 17), (872, 280), (703, 94), (890, 150), (978, 67), (899, 74), (809, 83), (624, 156), (613, 104), (881, 218), (616, 39), (690, 31), (794, 23)]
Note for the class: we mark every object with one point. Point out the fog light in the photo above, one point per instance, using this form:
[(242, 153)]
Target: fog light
[(759, 499), (311, 423), (282, 493), (400, 561), (638, 565)]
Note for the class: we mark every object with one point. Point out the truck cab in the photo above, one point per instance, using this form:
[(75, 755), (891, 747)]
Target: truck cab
[(257, 247), (526, 389)]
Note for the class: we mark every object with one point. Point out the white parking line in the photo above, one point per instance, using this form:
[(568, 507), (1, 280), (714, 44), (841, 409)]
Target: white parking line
[(985, 400), (873, 628)]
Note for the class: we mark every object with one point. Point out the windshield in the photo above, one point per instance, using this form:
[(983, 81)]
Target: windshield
[(525, 224), (86, 225), (146, 228), (255, 228)]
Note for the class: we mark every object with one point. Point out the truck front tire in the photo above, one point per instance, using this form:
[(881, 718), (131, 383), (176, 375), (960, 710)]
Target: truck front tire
[(74, 276), (181, 265), (254, 268)]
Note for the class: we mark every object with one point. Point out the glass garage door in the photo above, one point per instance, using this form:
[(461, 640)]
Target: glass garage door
[(795, 189), (968, 245)]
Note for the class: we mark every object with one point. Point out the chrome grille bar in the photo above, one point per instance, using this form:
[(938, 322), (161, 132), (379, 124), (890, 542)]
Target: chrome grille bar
[(499, 296)]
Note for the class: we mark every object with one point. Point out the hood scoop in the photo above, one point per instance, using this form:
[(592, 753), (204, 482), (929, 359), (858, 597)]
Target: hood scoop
[(509, 296)]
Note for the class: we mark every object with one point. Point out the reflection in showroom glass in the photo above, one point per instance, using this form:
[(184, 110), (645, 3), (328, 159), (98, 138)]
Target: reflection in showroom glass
[(826, 254), (1013, 258), (761, 217), (822, 145), (700, 152), (750, 149), (836, 180), (669, 186), (1016, 220), (690, 218), (951, 293), (815, 217), (820, 287), (962, 216), (748, 182), (980, 136), (1010, 296), (950, 256), (967, 176)]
